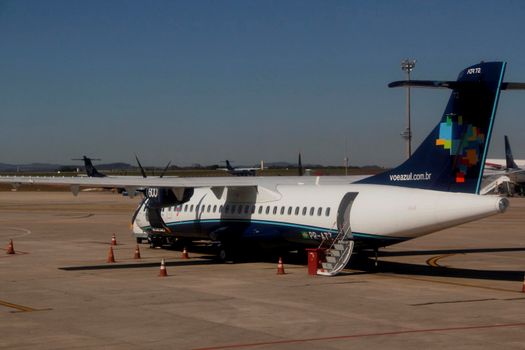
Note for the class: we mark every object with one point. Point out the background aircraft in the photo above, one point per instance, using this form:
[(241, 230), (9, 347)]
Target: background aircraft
[(508, 178), (240, 171)]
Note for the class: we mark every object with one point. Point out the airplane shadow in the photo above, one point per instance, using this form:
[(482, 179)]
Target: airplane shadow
[(366, 263), (361, 264), (138, 265)]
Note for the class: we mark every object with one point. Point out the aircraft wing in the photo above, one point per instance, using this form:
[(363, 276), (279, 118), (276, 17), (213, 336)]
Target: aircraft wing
[(128, 181), (133, 183)]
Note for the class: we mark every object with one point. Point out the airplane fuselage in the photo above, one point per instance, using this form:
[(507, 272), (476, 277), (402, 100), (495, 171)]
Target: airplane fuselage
[(306, 214)]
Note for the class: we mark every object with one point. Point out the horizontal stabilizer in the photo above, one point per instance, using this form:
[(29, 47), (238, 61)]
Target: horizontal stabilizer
[(425, 83), (512, 86), (449, 84)]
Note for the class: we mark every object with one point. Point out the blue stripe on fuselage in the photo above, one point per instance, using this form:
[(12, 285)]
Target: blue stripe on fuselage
[(268, 229)]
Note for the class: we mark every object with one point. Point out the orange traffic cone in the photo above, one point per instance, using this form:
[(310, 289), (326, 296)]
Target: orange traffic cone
[(163, 272), (523, 287), (111, 256), (10, 247), (113, 240), (185, 254), (280, 267), (137, 253)]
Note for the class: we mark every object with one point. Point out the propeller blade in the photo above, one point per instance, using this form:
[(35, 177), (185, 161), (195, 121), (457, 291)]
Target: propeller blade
[(165, 169), (300, 166), (141, 168)]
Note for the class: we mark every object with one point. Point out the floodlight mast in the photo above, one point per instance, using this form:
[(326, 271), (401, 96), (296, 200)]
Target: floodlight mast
[(408, 65)]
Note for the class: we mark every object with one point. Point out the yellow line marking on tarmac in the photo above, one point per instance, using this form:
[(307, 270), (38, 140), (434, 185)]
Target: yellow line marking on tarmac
[(20, 308), (434, 260)]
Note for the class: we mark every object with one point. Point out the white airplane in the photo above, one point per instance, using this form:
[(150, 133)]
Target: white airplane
[(503, 176), (434, 189), (240, 171)]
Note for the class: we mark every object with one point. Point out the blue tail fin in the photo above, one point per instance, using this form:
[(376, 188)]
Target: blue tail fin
[(451, 158), (90, 168), (508, 155)]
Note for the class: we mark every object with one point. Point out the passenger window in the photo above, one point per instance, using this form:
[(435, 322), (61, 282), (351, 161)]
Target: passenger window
[(296, 210), (268, 210), (260, 209), (304, 211), (197, 207), (233, 208), (282, 210), (289, 210), (312, 209), (239, 210), (226, 209), (274, 210), (220, 209), (246, 209), (215, 208), (319, 211), (253, 209), (327, 212), (186, 207), (191, 208), (209, 208)]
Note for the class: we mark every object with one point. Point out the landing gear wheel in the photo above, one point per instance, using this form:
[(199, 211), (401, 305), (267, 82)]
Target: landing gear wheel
[(155, 242), (225, 255)]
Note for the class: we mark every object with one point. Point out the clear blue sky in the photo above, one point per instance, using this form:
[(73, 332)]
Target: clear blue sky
[(202, 81)]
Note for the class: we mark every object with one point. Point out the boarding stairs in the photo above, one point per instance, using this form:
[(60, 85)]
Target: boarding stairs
[(495, 185), (337, 252)]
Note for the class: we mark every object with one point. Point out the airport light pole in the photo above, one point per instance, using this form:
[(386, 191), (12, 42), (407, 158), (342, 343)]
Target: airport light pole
[(408, 65)]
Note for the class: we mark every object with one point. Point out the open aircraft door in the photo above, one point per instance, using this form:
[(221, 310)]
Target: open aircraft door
[(343, 214), (341, 248)]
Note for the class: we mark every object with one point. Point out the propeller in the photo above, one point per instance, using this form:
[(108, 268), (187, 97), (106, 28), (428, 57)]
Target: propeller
[(143, 172)]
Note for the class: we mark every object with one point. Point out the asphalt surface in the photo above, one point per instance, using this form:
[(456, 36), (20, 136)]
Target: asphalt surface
[(459, 288)]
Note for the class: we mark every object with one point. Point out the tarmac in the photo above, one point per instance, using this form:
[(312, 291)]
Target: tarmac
[(459, 288)]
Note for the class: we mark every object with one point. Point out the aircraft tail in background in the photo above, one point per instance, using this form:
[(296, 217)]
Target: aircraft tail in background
[(509, 159), (91, 171)]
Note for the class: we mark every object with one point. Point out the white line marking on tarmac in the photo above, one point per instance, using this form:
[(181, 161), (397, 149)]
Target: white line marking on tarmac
[(19, 232)]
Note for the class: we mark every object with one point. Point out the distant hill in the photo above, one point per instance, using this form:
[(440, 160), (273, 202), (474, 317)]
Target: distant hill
[(29, 167)]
